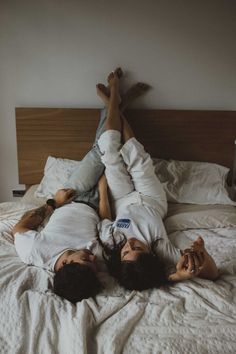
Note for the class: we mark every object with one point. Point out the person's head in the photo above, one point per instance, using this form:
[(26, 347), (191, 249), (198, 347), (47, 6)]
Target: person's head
[(134, 264), (76, 276), (83, 257), (132, 249)]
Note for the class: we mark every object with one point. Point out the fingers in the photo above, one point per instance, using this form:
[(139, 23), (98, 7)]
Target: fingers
[(185, 264), (201, 257), (195, 262), (200, 239), (68, 192), (198, 244), (190, 266), (63, 190), (182, 261), (186, 250), (71, 195)]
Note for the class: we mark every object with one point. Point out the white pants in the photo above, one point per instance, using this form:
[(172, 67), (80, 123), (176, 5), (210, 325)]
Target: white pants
[(130, 172)]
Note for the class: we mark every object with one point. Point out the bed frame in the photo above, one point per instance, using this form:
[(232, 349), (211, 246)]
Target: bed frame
[(177, 134)]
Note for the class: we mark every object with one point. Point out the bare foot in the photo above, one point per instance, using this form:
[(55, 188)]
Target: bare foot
[(119, 72), (133, 92), (113, 82), (130, 95), (104, 93), (114, 76)]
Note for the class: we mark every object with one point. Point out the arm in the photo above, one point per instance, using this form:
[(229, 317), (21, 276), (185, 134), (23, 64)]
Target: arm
[(185, 268), (195, 263), (104, 209), (33, 218)]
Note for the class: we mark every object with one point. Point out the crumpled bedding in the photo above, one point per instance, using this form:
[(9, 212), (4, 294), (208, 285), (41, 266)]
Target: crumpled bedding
[(197, 316), (188, 216)]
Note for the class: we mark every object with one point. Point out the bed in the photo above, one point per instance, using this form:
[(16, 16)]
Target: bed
[(195, 316)]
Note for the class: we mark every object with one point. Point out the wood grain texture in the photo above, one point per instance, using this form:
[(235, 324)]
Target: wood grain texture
[(69, 133)]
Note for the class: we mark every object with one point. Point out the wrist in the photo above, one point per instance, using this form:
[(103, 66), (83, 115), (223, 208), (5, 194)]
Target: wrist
[(52, 203), (174, 277)]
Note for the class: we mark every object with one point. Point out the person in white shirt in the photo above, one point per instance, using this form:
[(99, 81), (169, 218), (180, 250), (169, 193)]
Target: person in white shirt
[(136, 248), (67, 244)]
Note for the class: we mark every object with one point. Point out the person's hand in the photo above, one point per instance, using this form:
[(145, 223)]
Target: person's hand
[(198, 245), (197, 248), (188, 267), (64, 196)]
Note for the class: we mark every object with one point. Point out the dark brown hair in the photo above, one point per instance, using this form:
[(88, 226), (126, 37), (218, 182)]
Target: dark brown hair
[(147, 271), (76, 282)]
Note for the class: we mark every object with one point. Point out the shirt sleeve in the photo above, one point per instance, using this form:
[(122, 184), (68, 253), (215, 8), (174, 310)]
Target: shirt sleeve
[(168, 253), (24, 245), (105, 230)]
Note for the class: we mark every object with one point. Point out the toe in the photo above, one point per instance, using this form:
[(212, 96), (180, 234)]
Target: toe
[(142, 86), (105, 90), (110, 76), (118, 72)]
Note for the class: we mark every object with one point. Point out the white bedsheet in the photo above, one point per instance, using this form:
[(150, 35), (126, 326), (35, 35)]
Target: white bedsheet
[(197, 316)]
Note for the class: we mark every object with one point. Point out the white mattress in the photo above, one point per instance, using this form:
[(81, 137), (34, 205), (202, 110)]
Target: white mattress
[(197, 316)]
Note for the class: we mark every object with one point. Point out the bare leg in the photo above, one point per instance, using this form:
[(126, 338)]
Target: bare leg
[(113, 115), (118, 179), (104, 93), (127, 132), (139, 165)]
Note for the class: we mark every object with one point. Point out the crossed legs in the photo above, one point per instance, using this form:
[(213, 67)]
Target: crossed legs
[(128, 167), (85, 178)]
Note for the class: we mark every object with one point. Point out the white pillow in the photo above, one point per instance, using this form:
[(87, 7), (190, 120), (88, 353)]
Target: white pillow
[(185, 216), (29, 196), (193, 182), (183, 181), (56, 174)]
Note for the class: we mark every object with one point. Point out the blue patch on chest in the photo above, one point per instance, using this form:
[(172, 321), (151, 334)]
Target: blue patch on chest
[(123, 223)]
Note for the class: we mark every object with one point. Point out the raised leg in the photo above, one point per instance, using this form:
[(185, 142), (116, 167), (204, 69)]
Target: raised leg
[(85, 178), (118, 179)]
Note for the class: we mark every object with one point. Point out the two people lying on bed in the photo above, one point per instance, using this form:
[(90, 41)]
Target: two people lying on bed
[(134, 244)]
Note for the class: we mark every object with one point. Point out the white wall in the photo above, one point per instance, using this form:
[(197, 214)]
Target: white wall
[(53, 52)]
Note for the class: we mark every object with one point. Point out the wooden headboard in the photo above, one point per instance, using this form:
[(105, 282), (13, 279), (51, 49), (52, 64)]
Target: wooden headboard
[(69, 133)]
